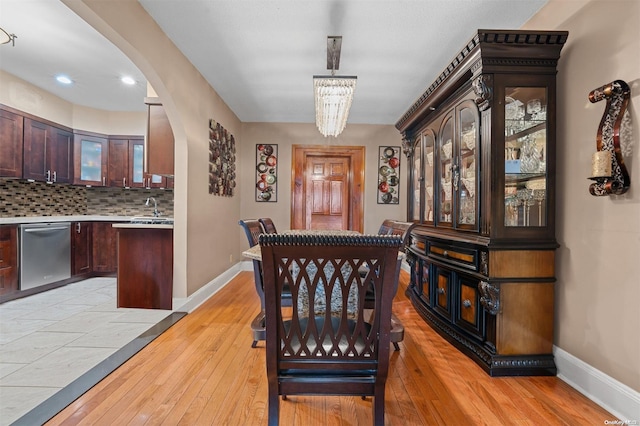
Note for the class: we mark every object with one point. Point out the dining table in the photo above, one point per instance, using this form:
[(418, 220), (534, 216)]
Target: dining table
[(254, 252)]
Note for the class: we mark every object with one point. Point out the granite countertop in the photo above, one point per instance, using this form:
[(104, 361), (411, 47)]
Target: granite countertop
[(76, 218), (143, 225)]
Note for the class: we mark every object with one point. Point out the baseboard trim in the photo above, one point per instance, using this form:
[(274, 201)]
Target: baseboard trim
[(615, 397), (206, 291)]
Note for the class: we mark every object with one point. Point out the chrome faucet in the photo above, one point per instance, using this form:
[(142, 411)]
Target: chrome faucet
[(156, 213)]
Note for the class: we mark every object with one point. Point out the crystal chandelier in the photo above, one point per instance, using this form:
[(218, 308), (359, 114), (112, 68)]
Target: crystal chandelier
[(333, 95)]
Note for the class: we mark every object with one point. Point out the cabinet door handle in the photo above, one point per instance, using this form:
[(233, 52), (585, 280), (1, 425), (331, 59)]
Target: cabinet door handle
[(466, 303), (55, 176), (445, 253), (124, 181), (441, 290), (456, 176), (104, 181), (78, 227), (48, 175)]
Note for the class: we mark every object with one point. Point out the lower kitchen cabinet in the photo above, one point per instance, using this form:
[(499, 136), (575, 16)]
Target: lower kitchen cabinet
[(105, 248), (145, 267), (81, 248), (8, 259)]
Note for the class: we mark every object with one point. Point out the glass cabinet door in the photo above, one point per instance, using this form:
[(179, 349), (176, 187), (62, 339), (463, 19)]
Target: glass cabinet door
[(90, 160), (137, 164), (415, 190), (429, 143), (465, 180), (445, 171), (525, 156)]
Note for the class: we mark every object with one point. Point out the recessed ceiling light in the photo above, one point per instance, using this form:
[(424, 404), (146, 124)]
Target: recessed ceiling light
[(128, 80), (64, 79)]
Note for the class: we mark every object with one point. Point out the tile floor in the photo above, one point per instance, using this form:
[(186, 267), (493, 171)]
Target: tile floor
[(50, 339)]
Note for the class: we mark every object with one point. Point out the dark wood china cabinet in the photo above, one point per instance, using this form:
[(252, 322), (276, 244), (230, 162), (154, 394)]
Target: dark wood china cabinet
[(481, 144)]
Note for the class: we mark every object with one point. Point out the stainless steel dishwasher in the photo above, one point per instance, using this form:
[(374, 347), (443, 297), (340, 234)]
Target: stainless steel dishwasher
[(45, 253)]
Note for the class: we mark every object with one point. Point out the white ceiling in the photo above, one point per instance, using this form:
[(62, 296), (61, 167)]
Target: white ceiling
[(260, 55)]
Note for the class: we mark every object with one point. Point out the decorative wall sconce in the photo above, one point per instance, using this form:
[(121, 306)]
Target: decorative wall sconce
[(607, 164)]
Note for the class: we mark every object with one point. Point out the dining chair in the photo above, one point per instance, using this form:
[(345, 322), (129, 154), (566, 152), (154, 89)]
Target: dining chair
[(268, 225), (325, 343), (402, 229), (253, 228), (385, 227)]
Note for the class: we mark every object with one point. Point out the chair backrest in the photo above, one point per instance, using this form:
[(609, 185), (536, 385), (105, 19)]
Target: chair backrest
[(403, 229), (268, 225), (385, 227), (325, 337), (252, 229)]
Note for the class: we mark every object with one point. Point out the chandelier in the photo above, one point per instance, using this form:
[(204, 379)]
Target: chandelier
[(333, 95)]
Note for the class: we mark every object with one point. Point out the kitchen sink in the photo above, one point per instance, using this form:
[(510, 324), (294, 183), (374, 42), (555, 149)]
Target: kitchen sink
[(150, 220)]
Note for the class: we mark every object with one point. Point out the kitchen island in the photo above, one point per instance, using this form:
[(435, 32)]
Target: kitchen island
[(145, 265)]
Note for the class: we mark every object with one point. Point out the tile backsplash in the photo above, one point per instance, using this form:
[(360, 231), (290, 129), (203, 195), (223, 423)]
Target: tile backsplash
[(20, 198)]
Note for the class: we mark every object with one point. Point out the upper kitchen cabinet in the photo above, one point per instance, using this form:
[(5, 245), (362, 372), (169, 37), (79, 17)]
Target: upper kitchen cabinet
[(48, 152), (11, 134), (159, 142), (126, 162), (481, 143), (90, 156)]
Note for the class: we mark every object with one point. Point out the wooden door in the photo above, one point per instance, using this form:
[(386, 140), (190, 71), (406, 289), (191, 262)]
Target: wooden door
[(327, 190), (342, 197)]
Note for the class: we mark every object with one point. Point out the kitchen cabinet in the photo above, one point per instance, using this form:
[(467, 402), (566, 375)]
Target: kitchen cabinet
[(159, 147), (481, 144), (81, 248), (104, 248), (90, 156), (155, 181), (47, 152), (126, 162), (145, 266), (8, 259), (11, 136)]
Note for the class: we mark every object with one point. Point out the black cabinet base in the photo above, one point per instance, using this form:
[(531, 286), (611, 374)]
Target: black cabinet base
[(482, 354)]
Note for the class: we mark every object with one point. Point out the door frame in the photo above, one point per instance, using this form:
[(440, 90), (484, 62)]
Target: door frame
[(299, 155)]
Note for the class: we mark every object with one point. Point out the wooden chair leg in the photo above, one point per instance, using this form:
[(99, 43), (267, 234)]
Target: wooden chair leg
[(395, 345), (274, 408), (378, 407)]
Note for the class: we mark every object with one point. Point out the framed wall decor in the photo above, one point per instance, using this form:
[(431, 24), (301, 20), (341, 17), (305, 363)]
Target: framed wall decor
[(222, 160), (266, 173), (389, 175)]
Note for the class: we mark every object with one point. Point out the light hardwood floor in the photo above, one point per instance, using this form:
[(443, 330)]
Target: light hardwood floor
[(203, 371)]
